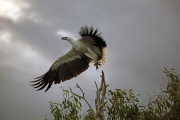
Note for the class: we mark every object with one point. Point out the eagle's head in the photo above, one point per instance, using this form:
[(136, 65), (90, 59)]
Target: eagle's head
[(67, 38)]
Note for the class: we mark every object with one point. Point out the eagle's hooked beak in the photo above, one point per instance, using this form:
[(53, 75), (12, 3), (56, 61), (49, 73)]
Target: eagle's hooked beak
[(64, 38)]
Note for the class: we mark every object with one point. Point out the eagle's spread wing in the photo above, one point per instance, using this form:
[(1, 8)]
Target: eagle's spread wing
[(92, 37), (89, 34), (66, 67)]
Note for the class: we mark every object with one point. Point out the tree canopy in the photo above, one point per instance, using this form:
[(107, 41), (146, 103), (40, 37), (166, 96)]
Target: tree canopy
[(120, 104)]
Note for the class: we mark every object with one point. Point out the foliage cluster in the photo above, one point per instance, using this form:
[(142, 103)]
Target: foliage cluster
[(121, 104)]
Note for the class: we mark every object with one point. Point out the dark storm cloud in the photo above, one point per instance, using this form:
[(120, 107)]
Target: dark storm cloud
[(142, 38)]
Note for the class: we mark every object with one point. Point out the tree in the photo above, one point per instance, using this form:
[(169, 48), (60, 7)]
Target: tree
[(120, 104)]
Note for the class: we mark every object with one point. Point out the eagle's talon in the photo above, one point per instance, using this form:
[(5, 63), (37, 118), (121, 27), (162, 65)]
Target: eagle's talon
[(96, 65)]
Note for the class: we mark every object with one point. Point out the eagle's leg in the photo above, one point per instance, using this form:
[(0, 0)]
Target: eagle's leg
[(97, 64)]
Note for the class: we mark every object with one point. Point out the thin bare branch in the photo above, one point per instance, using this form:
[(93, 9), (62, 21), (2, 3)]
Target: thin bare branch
[(96, 86), (81, 96), (77, 86)]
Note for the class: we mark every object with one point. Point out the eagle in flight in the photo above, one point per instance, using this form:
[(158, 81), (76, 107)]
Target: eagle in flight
[(89, 48)]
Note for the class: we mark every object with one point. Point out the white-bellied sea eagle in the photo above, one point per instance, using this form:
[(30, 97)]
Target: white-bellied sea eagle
[(89, 48)]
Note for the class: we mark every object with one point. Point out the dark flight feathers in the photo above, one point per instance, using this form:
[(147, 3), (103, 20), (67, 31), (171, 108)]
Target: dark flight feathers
[(63, 72), (86, 31)]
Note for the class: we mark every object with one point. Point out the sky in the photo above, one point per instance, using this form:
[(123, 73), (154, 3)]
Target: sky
[(143, 37)]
